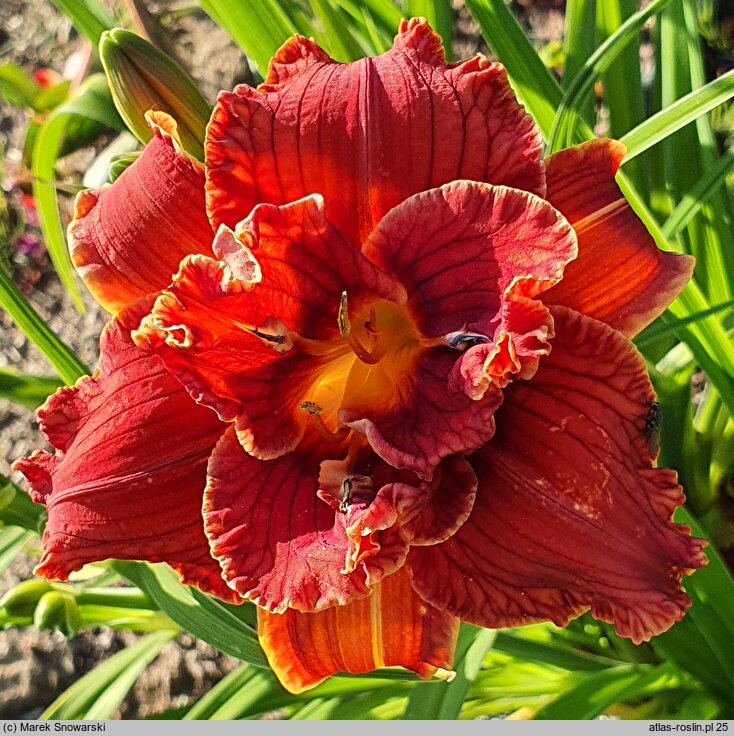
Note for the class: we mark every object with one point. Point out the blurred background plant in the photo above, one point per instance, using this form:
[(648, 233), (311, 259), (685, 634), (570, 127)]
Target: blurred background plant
[(659, 77)]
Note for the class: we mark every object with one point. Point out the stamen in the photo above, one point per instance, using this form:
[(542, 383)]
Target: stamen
[(370, 357), (345, 328), (346, 495), (314, 411), (371, 326)]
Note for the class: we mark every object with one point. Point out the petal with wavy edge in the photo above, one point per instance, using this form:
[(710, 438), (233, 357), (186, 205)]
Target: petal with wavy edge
[(128, 476), (418, 419), (391, 627), (206, 326), (620, 276), (464, 248), (127, 238), (280, 545), (570, 513), (367, 135)]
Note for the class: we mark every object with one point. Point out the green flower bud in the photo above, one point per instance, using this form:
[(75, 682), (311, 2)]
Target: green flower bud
[(57, 610), (142, 78), (23, 598)]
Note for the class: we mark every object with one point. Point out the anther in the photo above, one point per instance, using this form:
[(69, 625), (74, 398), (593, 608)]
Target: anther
[(345, 328)]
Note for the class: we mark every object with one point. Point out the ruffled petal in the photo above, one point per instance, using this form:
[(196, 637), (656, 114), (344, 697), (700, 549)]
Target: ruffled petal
[(367, 135), (127, 239), (570, 513), (128, 476), (240, 333), (620, 276), (279, 543), (418, 419), (464, 248), (391, 627)]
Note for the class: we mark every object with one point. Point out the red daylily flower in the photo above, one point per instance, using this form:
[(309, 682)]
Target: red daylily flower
[(370, 369)]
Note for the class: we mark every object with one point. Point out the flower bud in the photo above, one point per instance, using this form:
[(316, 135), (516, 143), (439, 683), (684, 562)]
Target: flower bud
[(23, 598), (142, 78), (57, 610)]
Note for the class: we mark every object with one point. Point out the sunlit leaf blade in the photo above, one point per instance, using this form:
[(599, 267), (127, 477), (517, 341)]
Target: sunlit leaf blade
[(61, 357), (564, 130), (218, 624), (258, 27), (594, 693), (549, 652), (679, 114), (532, 82), (443, 701), (578, 40), (91, 101), (12, 542), (662, 328), (699, 194), (28, 391), (385, 12), (17, 86), (235, 696), (339, 40), (17, 509), (98, 694), (90, 17), (711, 615)]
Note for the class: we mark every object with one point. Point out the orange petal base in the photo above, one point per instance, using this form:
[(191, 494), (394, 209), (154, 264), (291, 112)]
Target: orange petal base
[(305, 648)]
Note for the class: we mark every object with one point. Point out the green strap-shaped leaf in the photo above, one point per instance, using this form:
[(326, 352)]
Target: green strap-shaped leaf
[(236, 696), (550, 652), (224, 627), (258, 27), (98, 694), (28, 391), (566, 124), (89, 17), (443, 700), (679, 114), (590, 697), (17, 509), (13, 540), (711, 614), (61, 357), (660, 329), (17, 86), (94, 102), (340, 43), (532, 82), (698, 195)]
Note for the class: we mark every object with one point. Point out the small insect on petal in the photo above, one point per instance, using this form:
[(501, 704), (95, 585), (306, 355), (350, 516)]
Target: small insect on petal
[(652, 428), (310, 407)]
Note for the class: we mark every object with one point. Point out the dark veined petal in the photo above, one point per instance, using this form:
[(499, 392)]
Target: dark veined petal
[(411, 415), (570, 513), (308, 531), (463, 249), (127, 238), (367, 135), (391, 627), (128, 475), (620, 276), (249, 335)]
